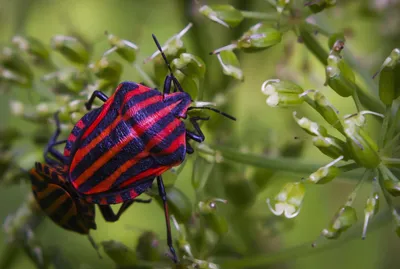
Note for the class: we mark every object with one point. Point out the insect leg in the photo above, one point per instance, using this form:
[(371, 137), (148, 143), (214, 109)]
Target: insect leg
[(53, 142), (163, 195), (95, 94), (109, 215), (189, 148), (198, 135)]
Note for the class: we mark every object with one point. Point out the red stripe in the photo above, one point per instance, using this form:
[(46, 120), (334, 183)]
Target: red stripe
[(106, 183), (133, 194), (72, 138), (154, 171), (101, 161), (181, 140), (104, 110), (82, 152), (80, 124), (118, 199)]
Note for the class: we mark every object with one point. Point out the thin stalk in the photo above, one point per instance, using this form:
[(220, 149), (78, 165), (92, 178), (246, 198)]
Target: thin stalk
[(284, 164), (391, 162), (357, 101), (385, 126), (393, 125), (348, 167), (273, 16)]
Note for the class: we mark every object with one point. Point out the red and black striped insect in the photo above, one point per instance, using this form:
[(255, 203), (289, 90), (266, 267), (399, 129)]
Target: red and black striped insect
[(115, 152), (59, 200), (56, 198)]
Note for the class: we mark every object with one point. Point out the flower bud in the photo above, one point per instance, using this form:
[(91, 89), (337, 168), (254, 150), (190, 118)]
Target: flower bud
[(71, 48), (119, 253), (107, 69), (389, 81), (173, 46), (44, 110), (326, 173), (190, 65), (67, 80), (17, 108), (336, 43), (282, 93), (126, 49), (32, 46), (225, 15), (148, 247), (230, 64), (259, 37), (12, 61), (281, 5), (182, 242), (344, 219), (12, 77), (362, 147), (371, 208), (332, 147), (327, 111), (289, 200), (201, 264), (390, 182), (340, 76), (210, 206), (310, 127)]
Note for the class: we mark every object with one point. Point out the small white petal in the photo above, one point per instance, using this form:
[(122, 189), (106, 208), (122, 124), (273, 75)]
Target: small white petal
[(273, 100)]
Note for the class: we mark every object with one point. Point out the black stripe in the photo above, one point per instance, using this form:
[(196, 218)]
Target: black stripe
[(128, 152), (164, 144), (62, 210), (139, 188), (47, 201), (138, 99), (77, 132)]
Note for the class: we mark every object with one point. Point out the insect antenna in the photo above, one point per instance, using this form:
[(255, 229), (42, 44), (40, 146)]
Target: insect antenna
[(215, 110), (174, 79), (162, 53)]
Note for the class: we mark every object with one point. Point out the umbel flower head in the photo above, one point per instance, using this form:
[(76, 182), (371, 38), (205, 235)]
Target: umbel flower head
[(354, 148)]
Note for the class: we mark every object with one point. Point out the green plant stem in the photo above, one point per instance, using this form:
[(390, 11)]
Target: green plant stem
[(385, 126), (284, 164), (391, 162), (392, 128), (357, 101), (273, 16), (348, 167)]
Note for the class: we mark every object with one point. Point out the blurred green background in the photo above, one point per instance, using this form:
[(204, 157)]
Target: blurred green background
[(371, 37)]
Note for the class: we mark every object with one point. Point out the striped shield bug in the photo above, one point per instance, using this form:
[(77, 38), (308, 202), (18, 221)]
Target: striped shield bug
[(54, 195), (115, 151)]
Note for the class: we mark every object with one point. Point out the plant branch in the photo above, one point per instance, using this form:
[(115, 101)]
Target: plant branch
[(284, 164)]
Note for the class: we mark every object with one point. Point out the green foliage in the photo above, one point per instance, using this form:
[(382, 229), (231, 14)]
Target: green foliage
[(217, 220)]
